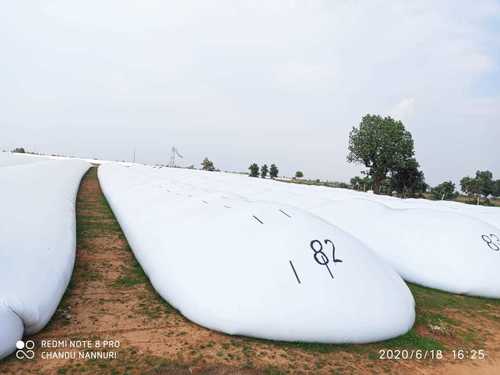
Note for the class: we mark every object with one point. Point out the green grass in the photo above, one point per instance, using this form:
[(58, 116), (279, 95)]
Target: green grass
[(412, 340), (132, 276), (434, 299), (124, 364)]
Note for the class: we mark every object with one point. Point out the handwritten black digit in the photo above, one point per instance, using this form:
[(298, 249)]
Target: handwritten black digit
[(319, 256), (492, 241), (335, 260)]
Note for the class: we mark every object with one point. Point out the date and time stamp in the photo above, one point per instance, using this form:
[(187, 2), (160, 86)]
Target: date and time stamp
[(421, 354)]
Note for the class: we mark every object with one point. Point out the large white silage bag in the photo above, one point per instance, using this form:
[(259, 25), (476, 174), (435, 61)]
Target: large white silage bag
[(37, 244), (256, 269)]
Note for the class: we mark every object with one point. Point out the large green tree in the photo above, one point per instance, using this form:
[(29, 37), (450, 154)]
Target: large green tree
[(382, 144), (444, 191)]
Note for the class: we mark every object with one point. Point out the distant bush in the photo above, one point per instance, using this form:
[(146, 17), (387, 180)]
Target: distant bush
[(264, 170), (207, 165), (254, 170), (482, 185), (444, 191), (273, 171)]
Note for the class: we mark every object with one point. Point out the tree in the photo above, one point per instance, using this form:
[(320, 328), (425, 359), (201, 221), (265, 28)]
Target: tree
[(299, 174), (482, 184), (367, 183), (19, 150), (254, 170), (356, 182), (470, 186), (485, 182), (264, 170), (465, 184), (207, 165), (382, 144), (496, 191), (273, 171), (386, 186), (361, 183), (408, 179), (444, 191)]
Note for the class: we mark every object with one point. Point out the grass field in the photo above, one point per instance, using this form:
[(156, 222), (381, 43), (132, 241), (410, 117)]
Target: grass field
[(110, 297)]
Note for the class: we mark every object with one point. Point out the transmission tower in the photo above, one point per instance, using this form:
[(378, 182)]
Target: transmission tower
[(175, 153)]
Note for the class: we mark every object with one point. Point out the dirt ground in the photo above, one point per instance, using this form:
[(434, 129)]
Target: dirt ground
[(110, 299)]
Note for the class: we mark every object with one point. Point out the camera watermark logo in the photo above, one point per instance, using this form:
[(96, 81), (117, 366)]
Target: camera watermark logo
[(25, 349)]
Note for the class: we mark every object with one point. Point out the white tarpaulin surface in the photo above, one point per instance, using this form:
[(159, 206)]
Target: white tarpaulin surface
[(37, 242), (259, 269)]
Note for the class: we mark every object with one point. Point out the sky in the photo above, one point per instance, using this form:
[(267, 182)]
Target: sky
[(252, 81)]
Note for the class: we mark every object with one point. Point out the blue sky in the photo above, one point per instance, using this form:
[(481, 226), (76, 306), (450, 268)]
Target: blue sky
[(242, 81)]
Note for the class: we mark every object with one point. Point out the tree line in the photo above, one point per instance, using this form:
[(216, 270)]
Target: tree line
[(263, 171), (255, 170), (387, 150)]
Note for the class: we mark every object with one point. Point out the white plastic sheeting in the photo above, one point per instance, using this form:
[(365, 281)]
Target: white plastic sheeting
[(37, 242), (258, 269)]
